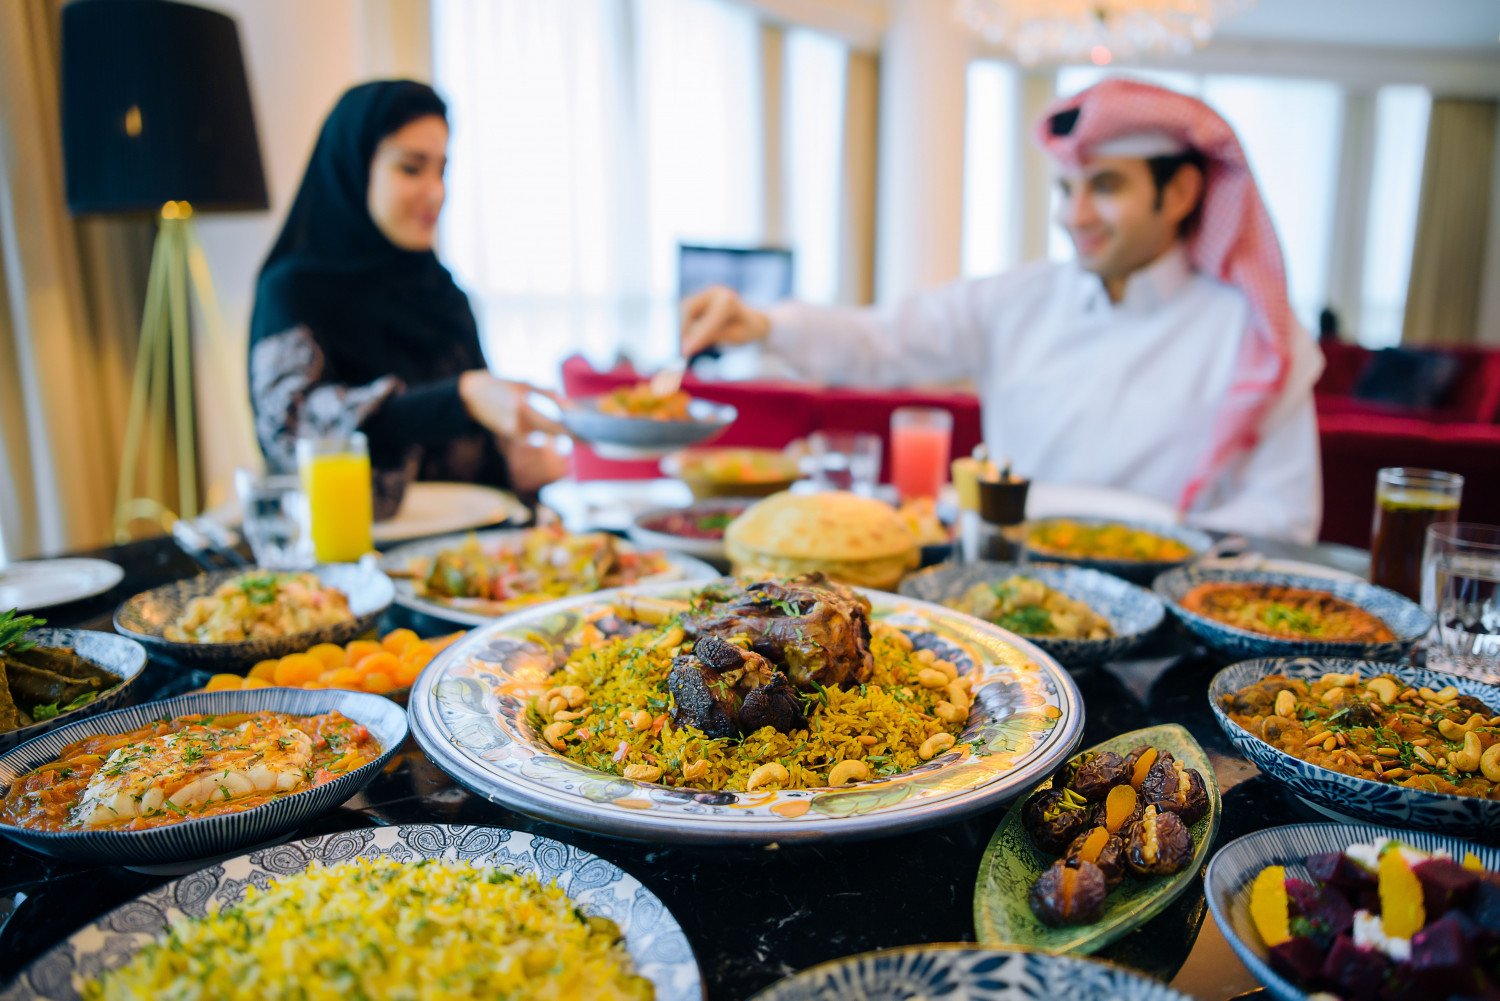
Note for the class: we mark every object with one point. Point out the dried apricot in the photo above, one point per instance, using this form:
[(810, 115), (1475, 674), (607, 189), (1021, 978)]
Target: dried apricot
[(1143, 767), (265, 670), (377, 682), (1269, 908), (360, 649), (224, 683), (1119, 804), (256, 683), (397, 640), (330, 654), (1093, 845), (297, 668)]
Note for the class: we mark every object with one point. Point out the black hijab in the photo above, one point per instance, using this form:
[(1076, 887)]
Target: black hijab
[(374, 309)]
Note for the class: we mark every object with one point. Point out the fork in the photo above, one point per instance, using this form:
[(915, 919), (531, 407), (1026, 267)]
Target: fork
[(668, 378)]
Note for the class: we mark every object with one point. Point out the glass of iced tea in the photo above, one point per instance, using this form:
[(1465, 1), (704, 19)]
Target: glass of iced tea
[(1407, 502)]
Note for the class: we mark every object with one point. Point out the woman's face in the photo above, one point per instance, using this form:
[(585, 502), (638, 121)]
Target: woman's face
[(406, 182)]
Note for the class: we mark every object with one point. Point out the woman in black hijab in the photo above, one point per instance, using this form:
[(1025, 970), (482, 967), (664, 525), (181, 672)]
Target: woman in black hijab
[(357, 325)]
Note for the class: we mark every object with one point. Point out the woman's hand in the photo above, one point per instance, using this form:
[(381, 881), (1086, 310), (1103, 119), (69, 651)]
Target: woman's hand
[(520, 431), (500, 406), (717, 315)]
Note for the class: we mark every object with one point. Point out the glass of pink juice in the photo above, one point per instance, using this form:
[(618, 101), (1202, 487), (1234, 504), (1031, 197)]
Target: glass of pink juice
[(920, 442)]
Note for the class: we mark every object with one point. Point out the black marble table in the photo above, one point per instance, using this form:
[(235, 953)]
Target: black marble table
[(752, 915)]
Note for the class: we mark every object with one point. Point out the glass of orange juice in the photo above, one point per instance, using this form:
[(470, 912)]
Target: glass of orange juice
[(335, 473)]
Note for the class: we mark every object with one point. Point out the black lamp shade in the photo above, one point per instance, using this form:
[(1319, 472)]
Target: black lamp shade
[(156, 108)]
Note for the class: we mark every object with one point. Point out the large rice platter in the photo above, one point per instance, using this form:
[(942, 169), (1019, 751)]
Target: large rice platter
[(745, 710), (770, 685)]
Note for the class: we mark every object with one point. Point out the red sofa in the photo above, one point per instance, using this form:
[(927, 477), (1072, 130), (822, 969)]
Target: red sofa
[(1461, 434), (773, 414)]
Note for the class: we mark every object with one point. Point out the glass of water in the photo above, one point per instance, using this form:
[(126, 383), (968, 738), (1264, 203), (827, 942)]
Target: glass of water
[(275, 524), (845, 460), (1461, 590)]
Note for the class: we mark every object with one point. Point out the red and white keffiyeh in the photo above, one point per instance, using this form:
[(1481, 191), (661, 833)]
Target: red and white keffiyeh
[(1234, 240)]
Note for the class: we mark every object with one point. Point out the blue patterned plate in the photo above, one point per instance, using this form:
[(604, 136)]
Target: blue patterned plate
[(145, 617), (1133, 612), (658, 949), (1235, 866), (400, 561), (1139, 571), (469, 714), (1349, 795), (966, 973), (1404, 618), (205, 837), (115, 654)]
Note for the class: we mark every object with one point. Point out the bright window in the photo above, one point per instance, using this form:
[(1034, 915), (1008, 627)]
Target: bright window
[(1395, 189), (589, 138), (991, 169), (815, 69)]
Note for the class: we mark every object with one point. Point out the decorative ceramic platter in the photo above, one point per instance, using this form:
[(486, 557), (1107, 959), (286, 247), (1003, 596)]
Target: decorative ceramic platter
[(1133, 612), (1027, 718), (205, 837), (119, 656), (619, 437), (1139, 571), (657, 946), (680, 567), (1350, 796), (145, 617), (32, 584), (1404, 618), (1235, 866), (1011, 863), (429, 508), (966, 973)]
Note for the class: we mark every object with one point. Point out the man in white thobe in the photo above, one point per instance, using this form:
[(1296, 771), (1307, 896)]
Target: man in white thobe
[(1163, 360)]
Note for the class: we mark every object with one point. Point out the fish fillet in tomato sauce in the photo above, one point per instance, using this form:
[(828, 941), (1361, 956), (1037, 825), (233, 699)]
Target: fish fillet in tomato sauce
[(192, 766)]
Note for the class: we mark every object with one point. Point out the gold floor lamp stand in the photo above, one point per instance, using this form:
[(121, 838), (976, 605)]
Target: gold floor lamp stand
[(164, 380)]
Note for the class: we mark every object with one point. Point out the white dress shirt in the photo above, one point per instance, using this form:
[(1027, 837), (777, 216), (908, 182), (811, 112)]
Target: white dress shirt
[(1077, 389)]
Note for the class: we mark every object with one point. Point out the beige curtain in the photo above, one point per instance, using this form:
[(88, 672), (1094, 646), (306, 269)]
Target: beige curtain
[(72, 297), (857, 222), (1447, 260)]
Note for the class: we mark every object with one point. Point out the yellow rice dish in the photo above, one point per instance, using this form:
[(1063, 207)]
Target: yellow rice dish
[(381, 929), (260, 605), (617, 705)]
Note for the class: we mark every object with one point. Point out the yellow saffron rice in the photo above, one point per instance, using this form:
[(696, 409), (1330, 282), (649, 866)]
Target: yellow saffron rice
[(378, 929), (623, 678)]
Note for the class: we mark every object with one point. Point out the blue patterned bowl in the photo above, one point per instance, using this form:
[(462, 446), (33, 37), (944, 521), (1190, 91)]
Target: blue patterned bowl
[(966, 971), (658, 949), (205, 837), (1404, 618), (146, 616), (1133, 613), (1349, 796), (115, 654), (1234, 868), (1140, 571)]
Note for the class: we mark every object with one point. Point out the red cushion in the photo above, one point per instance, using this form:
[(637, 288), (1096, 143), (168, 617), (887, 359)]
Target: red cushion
[(1355, 446)]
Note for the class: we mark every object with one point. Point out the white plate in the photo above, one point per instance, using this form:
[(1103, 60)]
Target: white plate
[(1255, 561), (43, 583), (442, 508), (679, 567)]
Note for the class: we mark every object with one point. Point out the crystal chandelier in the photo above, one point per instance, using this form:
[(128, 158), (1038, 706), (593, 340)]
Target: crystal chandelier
[(1099, 31)]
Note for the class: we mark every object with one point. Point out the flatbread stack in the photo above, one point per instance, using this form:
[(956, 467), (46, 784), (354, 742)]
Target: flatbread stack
[(850, 538)]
